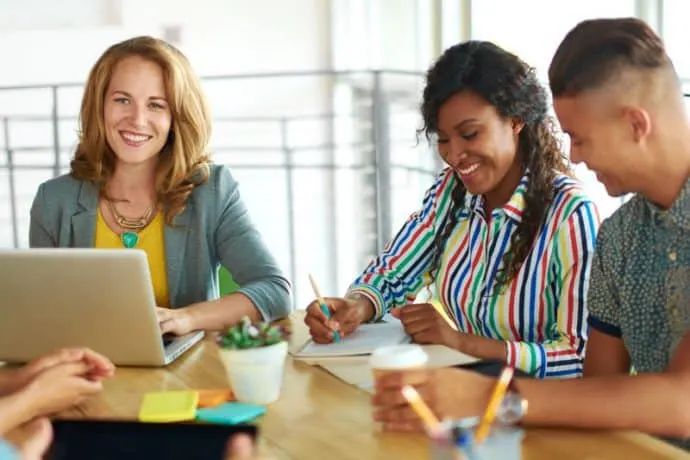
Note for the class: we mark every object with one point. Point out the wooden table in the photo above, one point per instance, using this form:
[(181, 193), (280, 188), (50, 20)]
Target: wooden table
[(318, 416)]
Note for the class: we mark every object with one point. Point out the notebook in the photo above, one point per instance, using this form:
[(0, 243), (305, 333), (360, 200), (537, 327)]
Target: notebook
[(356, 370), (365, 339)]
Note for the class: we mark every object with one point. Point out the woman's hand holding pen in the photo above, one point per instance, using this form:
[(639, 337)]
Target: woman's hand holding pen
[(346, 315), (426, 326)]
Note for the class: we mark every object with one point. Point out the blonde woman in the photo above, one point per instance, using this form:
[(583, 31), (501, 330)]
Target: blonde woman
[(141, 178)]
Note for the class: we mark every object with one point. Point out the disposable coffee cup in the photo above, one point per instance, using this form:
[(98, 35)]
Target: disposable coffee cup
[(396, 358)]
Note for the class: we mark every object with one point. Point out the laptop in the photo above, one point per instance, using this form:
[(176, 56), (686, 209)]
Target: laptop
[(97, 298)]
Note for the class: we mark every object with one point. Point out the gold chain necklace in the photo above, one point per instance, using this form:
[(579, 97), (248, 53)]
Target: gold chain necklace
[(130, 225)]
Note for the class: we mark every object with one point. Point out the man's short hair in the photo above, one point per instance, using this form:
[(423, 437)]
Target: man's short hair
[(597, 50)]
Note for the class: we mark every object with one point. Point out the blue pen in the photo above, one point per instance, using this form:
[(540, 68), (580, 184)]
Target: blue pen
[(464, 441), (322, 304)]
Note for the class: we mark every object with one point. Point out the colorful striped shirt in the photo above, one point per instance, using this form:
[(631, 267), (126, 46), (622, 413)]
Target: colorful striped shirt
[(541, 314)]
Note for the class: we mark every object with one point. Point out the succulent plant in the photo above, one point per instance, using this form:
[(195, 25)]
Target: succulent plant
[(246, 334)]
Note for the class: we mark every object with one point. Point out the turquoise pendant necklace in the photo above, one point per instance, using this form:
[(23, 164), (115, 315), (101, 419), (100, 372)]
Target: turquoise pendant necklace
[(130, 226), (129, 239)]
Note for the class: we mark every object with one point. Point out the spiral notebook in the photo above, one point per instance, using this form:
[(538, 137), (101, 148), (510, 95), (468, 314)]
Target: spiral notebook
[(363, 341)]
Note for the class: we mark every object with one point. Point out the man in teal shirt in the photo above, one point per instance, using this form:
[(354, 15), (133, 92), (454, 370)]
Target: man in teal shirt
[(618, 98)]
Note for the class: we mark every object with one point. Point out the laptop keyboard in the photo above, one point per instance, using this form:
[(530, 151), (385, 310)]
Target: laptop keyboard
[(167, 339)]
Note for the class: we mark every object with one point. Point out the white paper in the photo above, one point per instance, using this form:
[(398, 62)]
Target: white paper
[(365, 339), (357, 371)]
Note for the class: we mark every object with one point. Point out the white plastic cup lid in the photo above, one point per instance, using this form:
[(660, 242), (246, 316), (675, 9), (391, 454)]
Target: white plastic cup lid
[(398, 357)]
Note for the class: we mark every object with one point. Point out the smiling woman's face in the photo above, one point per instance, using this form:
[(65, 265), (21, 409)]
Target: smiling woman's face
[(480, 145), (136, 112)]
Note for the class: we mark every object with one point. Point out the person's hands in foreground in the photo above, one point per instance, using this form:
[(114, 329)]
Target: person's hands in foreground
[(60, 387), (32, 439), (98, 367)]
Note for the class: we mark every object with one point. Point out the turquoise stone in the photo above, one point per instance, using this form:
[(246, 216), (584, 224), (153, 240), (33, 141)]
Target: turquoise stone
[(129, 239)]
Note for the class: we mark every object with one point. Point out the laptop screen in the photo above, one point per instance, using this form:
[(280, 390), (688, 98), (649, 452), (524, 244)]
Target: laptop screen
[(106, 440)]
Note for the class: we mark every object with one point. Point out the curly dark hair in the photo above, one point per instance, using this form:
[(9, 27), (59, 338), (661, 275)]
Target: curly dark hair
[(512, 87)]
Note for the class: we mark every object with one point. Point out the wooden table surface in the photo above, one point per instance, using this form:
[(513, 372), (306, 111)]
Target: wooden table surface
[(318, 416)]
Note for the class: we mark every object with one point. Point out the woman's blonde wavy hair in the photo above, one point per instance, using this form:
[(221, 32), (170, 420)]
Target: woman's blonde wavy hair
[(183, 162)]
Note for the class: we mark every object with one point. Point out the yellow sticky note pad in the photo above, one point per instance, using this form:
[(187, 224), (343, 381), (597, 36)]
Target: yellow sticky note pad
[(169, 406)]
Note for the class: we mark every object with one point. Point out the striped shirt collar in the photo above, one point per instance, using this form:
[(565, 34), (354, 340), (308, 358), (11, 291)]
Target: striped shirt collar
[(513, 208)]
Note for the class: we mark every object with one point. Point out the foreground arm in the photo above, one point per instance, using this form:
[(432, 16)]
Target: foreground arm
[(654, 403), (52, 390), (16, 378), (9, 380), (15, 410)]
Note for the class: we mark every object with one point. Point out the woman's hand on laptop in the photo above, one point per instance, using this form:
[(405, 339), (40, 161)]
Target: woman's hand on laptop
[(174, 321)]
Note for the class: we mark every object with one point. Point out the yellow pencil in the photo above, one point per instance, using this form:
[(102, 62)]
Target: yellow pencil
[(441, 311), (438, 306), (423, 411), (494, 402)]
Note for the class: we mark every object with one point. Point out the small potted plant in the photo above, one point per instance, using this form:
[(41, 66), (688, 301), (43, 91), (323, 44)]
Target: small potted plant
[(254, 358)]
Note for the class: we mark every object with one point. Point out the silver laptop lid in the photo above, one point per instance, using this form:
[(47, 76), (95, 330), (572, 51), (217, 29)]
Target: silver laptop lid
[(98, 298)]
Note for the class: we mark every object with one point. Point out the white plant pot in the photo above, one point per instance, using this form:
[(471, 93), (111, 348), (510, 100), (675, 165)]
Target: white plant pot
[(256, 374)]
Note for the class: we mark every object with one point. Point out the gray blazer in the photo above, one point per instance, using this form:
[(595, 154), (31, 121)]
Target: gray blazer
[(214, 229)]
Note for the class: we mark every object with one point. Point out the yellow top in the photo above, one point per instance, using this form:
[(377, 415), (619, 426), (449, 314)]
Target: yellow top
[(152, 242)]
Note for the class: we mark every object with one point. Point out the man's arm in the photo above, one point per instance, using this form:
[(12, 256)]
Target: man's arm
[(606, 355), (654, 403), (15, 410)]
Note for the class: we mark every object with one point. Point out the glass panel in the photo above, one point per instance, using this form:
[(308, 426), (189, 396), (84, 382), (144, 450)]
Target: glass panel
[(677, 34), (533, 28)]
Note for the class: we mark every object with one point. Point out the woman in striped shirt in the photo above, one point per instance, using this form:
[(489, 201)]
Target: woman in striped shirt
[(504, 235)]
